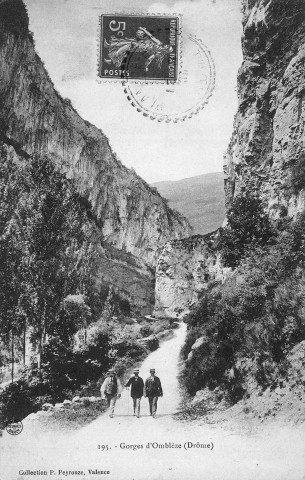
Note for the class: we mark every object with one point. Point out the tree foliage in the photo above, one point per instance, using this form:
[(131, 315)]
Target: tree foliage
[(248, 226), (45, 248), (255, 316)]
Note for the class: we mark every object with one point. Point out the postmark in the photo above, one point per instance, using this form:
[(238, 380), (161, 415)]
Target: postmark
[(139, 47), (14, 427), (184, 99)]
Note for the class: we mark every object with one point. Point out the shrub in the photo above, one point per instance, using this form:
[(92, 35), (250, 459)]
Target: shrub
[(129, 347), (248, 226), (234, 385), (152, 343), (17, 401), (145, 331), (91, 388), (63, 373), (256, 314)]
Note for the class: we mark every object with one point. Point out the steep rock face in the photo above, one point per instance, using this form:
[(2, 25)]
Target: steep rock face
[(130, 277), (183, 270), (266, 152), (36, 120)]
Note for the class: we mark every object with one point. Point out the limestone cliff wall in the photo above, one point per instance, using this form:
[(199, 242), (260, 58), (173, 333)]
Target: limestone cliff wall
[(266, 151), (183, 270), (36, 120), (128, 275), (131, 278)]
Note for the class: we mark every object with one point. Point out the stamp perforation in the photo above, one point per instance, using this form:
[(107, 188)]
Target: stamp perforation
[(190, 112), (118, 79)]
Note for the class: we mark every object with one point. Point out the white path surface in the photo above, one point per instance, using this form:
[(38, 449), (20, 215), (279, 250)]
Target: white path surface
[(273, 454)]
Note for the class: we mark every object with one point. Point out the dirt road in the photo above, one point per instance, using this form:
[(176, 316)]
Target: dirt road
[(155, 449)]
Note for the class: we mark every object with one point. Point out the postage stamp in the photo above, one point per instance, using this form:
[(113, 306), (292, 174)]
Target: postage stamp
[(139, 47)]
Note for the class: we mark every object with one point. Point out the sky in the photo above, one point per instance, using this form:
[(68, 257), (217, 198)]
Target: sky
[(66, 38)]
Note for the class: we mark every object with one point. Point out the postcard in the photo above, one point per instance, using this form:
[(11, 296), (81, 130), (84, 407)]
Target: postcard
[(152, 240)]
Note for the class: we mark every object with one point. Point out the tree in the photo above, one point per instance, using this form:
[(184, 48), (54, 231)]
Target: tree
[(74, 315), (108, 309), (248, 226), (12, 319), (54, 237), (45, 247)]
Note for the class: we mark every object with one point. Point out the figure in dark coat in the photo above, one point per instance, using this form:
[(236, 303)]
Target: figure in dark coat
[(153, 390), (136, 391)]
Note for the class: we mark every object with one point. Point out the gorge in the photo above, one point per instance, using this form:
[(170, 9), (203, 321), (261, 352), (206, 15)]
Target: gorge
[(245, 318), (129, 215), (265, 156)]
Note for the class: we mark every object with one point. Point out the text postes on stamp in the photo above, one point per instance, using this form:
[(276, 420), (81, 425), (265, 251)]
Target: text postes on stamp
[(139, 47)]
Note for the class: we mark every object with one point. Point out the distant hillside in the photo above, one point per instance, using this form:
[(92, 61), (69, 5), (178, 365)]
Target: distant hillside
[(200, 199)]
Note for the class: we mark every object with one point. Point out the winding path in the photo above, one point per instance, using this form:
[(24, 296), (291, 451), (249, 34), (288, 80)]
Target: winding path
[(139, 448)]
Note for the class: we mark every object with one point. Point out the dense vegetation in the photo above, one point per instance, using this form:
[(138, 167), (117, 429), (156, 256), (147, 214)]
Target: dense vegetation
[(45, 254), (248, 226), (248, 324), (53, 322)]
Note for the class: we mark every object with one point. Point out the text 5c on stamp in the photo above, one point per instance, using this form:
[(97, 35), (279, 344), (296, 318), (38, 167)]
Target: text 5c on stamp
[(139, 47)]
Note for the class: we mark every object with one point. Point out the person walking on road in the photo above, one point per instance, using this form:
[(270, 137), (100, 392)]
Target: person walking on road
[(111, 390), (136, 391), (153, 390)]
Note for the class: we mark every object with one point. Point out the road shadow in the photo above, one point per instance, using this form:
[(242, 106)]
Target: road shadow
[(144, 416)]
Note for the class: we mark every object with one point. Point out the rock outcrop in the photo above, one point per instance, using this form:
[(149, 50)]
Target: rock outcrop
[(129, 276), (183, 270), (266, 152), (36, 120)]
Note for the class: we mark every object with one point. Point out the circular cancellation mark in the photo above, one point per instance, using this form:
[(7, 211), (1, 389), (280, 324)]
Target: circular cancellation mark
[(174, 102), (14, 427)]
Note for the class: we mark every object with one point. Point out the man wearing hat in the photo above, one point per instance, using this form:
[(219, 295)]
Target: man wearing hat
[(153, 390), (111, 390), (136, 391)]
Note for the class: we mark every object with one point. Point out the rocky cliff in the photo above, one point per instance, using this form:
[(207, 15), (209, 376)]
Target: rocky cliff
[(266, 151), (130, 277), (34, 119), (183, 270)]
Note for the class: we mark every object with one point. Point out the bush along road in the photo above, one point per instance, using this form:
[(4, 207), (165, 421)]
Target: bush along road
[(145, 448)]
